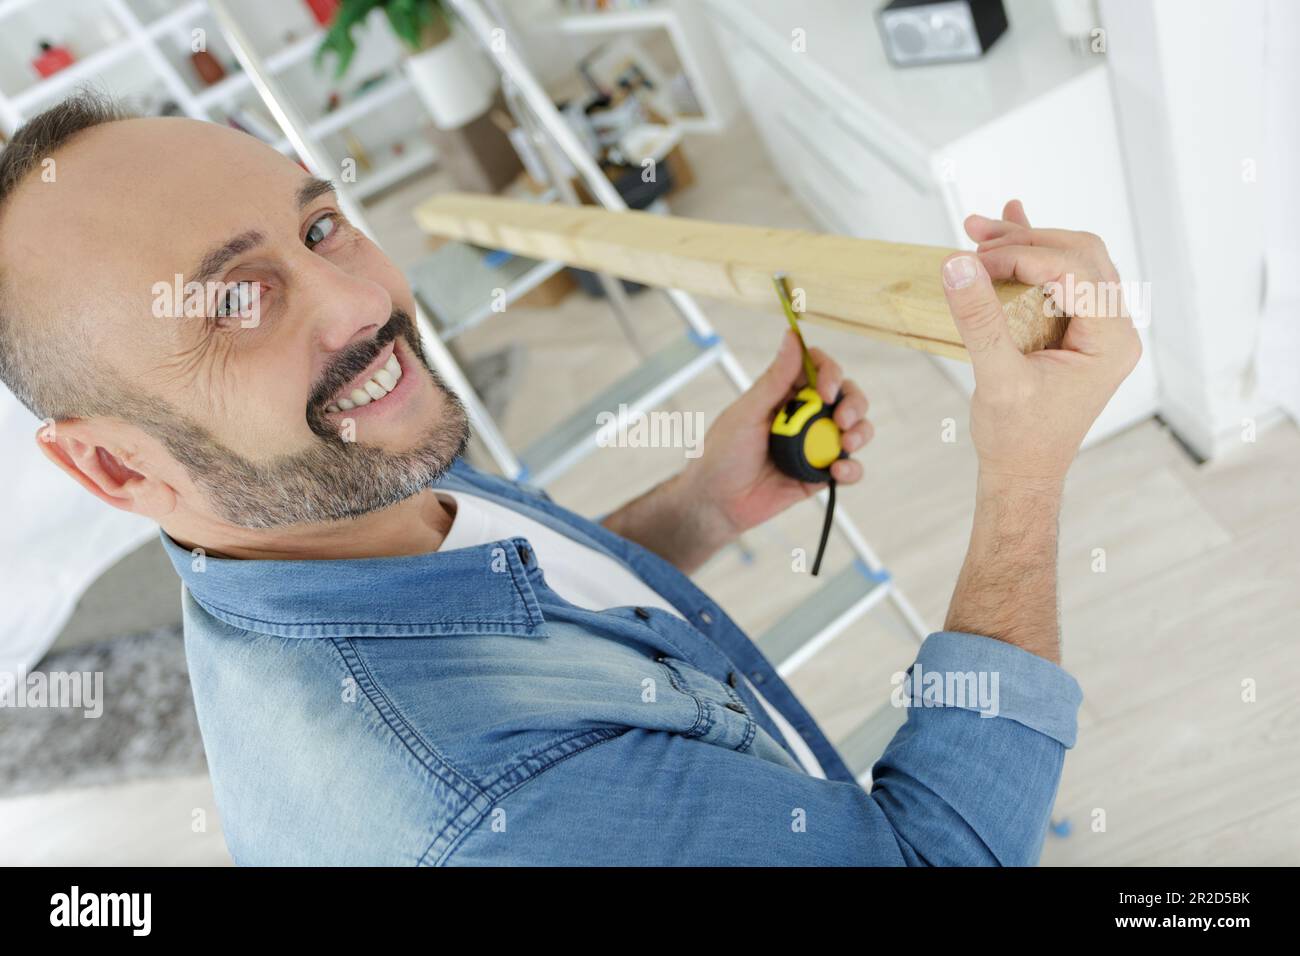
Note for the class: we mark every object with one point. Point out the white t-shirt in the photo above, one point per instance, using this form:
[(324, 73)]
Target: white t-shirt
[(582, 576)]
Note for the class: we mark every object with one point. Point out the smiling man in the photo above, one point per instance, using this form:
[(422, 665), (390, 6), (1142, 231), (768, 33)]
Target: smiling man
[(397, 659)]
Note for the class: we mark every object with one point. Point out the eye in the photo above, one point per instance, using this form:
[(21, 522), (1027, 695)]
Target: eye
[(320, 230), (238, 300)]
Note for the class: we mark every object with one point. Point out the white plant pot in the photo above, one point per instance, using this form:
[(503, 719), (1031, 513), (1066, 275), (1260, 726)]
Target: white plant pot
[(451, 80)]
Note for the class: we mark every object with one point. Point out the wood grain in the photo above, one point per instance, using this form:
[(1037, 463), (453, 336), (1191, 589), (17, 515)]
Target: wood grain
[(888, 290)]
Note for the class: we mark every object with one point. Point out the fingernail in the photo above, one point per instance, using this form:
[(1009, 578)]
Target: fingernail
[(960, 271)]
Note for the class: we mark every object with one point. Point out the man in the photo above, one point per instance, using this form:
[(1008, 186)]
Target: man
[(397, 659)]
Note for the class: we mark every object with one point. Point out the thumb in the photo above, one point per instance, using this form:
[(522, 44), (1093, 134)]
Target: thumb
[(774, 385), (978, 315)]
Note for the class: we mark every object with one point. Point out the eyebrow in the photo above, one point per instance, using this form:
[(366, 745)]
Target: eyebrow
[(312, 188), (216, 258)]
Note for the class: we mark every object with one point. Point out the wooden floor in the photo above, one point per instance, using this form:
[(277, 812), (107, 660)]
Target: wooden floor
[(1200, 593)]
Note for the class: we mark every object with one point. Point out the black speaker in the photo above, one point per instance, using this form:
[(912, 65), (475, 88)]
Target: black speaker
[(925, 31)]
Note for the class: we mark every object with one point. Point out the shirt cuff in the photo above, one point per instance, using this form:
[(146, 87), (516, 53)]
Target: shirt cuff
[(996, 679)]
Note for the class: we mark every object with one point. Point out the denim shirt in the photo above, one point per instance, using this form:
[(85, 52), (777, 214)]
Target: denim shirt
[(450, 708)]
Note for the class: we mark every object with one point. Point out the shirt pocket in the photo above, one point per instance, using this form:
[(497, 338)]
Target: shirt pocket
[(720, 716)]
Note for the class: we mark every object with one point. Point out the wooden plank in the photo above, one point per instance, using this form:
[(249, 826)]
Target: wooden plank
[(888, 290)]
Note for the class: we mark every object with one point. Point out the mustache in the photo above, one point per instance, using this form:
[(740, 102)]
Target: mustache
[(352, 362)]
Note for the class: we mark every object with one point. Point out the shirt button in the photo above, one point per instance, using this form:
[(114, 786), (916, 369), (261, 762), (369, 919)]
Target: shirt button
[(525, 554), (738, 708), (706, 617), (731, 679), (642, 613)]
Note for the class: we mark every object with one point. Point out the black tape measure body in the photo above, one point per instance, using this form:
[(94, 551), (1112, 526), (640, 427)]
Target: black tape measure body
[(805, 441)]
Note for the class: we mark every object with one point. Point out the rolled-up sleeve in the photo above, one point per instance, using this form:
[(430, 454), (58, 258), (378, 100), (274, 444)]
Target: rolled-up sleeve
[(968, 779), (971, 778)]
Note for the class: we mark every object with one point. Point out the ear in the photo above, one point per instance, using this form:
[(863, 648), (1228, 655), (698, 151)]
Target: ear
[(93, 455)]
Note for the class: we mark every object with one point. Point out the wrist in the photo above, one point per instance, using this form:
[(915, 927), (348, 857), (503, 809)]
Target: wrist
[(1039, 491), (697, 510)]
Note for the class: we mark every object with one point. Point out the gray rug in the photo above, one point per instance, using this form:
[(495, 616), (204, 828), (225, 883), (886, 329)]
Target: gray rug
[(148, 728)]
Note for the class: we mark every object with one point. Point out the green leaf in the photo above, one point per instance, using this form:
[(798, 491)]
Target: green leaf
[(339, 39)]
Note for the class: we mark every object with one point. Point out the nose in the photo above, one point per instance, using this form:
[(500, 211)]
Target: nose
[(344, 307)]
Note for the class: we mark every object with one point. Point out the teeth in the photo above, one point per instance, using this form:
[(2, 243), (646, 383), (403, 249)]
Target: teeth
[(380, 384)]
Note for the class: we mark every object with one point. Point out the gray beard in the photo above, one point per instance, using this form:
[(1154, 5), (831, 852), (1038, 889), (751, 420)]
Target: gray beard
[(333, 479)]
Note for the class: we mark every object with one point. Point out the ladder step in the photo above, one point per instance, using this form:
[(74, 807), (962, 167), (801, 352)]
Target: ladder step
[(867, 741), (822, 616), (649, 384), (457, 283)]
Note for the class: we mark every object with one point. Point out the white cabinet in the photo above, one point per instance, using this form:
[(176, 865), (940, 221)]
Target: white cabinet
[(876, 151)]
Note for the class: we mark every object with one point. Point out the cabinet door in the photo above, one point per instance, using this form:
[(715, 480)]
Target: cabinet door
[(849, 184)]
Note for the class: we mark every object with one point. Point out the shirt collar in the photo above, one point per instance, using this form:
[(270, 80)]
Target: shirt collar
[(485, 589)]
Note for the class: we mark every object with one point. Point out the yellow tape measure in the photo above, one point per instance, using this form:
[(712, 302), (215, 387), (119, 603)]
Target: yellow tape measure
[(805, 441)]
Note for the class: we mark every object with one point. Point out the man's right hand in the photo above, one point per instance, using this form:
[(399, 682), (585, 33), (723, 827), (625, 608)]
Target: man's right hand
[(1030, 413)]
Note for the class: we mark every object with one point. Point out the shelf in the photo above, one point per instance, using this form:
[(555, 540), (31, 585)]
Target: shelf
[(168, 21), (70, 76), (644, 18), (98, 61), (377, 96), (393, 170), (276, 63), (373, 99)]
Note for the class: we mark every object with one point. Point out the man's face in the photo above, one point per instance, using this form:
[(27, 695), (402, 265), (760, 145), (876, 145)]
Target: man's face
[(286, 378)]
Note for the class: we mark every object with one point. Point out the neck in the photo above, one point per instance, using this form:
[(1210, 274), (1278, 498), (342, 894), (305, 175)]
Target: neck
[(416, 525)]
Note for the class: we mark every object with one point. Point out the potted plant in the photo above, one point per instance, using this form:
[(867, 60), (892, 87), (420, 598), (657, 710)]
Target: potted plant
[(447, 72)]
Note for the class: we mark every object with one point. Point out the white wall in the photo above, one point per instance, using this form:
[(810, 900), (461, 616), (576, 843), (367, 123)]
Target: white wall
[(1189, 79)]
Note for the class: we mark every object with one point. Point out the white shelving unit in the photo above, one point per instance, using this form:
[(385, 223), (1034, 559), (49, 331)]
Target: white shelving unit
[(692, 43), (139, 50)]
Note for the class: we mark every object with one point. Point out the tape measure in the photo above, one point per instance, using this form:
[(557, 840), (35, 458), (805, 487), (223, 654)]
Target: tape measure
[(805, 441)]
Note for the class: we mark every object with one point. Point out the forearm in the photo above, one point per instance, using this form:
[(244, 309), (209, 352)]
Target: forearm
[(1007, 586), (674, 523)]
